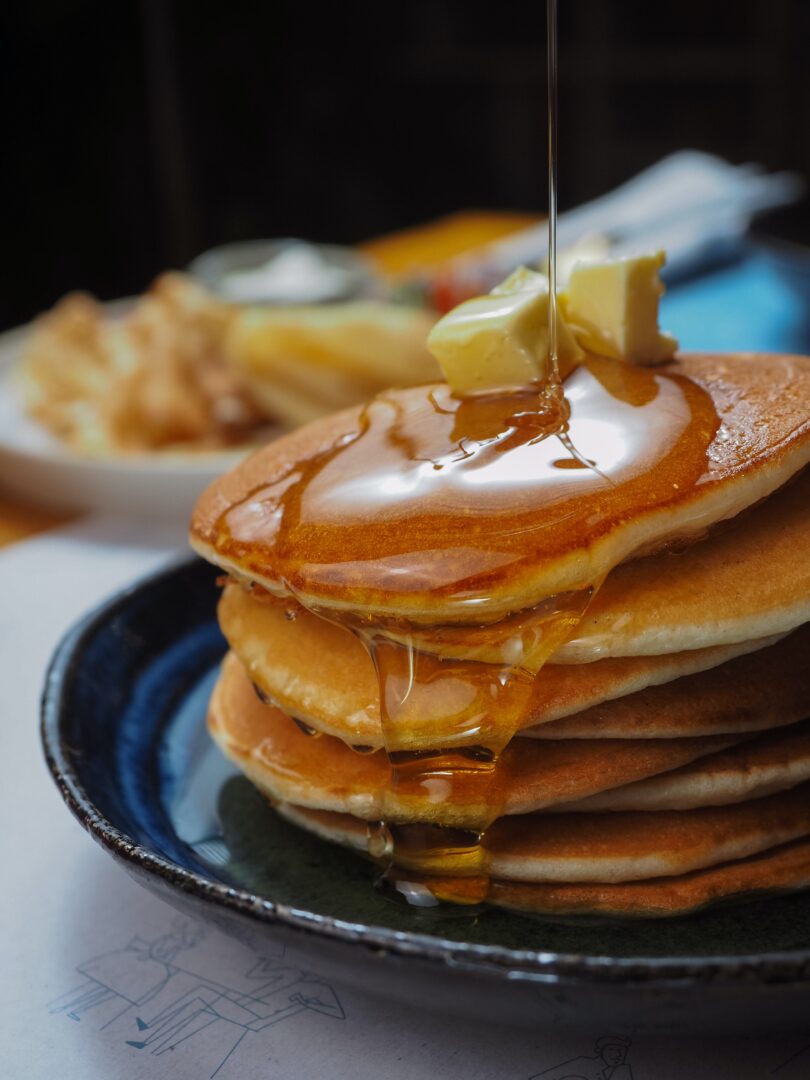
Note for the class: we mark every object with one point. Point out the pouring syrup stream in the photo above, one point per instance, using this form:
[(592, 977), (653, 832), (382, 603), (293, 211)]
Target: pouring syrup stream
[(551, 46), (429, 850)]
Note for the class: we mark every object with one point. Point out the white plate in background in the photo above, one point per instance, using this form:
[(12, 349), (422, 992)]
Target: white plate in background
[(43, 471)]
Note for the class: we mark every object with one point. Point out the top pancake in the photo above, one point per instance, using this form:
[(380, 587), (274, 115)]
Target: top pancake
[(409, 509), (749, 579)]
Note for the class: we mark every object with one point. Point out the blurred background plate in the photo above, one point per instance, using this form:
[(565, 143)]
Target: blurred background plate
[(40, 470), (284, 271)]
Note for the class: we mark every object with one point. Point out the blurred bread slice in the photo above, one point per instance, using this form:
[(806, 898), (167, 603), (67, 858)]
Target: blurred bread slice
[(302, 362)]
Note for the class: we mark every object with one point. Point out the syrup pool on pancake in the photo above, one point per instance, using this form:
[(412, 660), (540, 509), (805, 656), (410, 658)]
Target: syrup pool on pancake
[(455, 483)]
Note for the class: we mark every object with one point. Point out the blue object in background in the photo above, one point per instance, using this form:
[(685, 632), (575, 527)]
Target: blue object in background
[(746, 307)]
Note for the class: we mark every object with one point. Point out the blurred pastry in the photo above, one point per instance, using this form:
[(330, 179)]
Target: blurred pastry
[(152, 378), (302, 362), (179, 369)]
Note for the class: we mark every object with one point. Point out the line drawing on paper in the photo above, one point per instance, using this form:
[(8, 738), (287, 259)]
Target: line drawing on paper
[(157, 1002), (803, 1053), (608, 1062)]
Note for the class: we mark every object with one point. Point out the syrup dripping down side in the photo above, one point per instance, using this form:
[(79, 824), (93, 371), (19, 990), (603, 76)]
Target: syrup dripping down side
[(475, 710)]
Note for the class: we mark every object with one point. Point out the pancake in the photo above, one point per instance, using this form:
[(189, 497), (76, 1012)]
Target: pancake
[(277, 641), (340, 513), (764, 689), (612, 848), (323, 773), (750, 579), (749, 770), (781, 869)]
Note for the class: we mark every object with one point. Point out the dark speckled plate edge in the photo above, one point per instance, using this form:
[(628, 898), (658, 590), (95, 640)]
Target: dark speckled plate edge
[(497, 962)]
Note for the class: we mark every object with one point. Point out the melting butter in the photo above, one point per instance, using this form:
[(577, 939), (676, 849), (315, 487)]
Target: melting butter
[(612, 308), (500, 341)]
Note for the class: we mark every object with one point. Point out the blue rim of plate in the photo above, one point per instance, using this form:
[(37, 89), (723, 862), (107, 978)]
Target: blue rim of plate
[(565, 969)]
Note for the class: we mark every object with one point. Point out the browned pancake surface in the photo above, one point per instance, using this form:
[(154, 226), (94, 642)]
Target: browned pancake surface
[(761, 690), (781, 869), (610, 848), (749, 579), (778, 869), (749, 770)]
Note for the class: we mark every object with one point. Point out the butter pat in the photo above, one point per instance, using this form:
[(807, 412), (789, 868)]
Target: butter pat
[(500, 340), (612, 307)]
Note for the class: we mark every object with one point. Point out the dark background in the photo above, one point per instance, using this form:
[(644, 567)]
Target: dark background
[(138, 134)]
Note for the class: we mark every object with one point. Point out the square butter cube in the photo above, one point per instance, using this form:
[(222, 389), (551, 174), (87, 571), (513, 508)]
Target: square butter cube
[(501, 340), (612, 308)]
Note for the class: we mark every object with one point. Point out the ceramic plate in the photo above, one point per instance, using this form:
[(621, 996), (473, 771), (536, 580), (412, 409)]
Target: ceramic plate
[(124, 735), (37, 467)]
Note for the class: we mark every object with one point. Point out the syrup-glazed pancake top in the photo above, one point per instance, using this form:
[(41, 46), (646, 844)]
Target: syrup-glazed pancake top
[(747, 580), (432, 508)]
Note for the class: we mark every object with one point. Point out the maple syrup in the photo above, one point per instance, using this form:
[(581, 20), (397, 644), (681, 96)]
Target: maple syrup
[(551, 73)]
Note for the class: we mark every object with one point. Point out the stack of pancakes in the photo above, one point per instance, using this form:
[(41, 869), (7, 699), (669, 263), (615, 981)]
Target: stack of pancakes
[(647, 750)]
